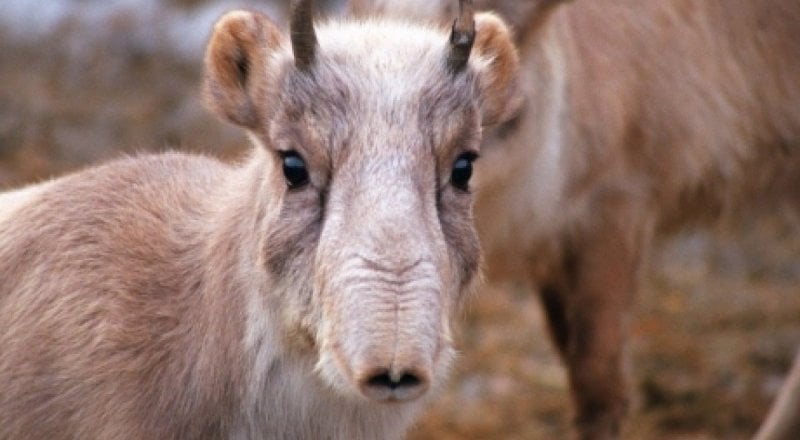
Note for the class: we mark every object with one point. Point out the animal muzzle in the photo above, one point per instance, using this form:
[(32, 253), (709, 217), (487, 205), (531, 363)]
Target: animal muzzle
[(388, 344), (396, 347)]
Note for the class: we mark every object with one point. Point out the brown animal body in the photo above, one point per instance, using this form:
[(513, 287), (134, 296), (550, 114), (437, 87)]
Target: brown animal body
[(640, 116), (308, 292)]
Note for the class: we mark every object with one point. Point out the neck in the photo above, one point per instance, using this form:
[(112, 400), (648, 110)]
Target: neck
[(219, 325)]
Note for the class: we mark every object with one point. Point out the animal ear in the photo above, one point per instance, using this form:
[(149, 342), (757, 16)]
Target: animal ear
[(498, 67), (236, 66)]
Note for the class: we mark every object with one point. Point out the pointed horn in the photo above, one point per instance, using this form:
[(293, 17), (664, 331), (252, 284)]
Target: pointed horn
[(301, 29), (462, 37)]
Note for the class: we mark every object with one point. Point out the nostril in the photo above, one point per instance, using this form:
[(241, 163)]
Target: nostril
[(385, 386), (407, 380)]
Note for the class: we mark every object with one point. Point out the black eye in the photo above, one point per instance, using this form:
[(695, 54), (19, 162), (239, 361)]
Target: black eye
[(294, 169), (462, 170)]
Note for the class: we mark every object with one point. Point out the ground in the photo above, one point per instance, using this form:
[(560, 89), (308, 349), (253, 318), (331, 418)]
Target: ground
[(716, 324), (712, 338)]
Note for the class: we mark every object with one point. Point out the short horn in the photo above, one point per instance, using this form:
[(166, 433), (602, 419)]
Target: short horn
[(462, 37), (301, 28)]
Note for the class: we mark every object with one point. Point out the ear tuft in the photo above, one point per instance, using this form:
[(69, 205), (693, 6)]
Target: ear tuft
[(500, 97), (236, 66)]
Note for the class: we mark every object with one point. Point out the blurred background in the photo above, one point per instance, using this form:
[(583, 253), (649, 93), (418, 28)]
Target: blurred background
[(716, 326)]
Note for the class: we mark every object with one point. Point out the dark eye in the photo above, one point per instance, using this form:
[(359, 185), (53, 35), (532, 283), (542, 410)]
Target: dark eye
[(462, 170), (294, 169)]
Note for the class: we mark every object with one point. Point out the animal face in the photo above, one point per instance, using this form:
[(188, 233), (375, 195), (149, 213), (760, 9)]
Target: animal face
[(370, 133)]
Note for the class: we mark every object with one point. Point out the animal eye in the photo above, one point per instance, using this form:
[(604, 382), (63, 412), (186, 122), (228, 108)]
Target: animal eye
[(462, 170), (294, 169)]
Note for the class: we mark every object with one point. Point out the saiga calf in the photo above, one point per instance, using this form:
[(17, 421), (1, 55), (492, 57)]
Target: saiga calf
[(307, 293)]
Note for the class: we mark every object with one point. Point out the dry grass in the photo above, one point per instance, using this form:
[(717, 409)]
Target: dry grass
[(714, 332)]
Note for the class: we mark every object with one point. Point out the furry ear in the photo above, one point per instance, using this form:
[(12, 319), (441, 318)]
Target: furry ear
[(498, 69), (236, 66)]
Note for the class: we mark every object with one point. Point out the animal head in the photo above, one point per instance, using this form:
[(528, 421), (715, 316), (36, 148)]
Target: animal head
[(370, 129)]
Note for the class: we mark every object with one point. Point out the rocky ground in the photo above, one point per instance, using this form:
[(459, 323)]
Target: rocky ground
[(715, 327)]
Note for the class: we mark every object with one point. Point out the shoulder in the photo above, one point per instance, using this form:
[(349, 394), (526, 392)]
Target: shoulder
[(121, 190)]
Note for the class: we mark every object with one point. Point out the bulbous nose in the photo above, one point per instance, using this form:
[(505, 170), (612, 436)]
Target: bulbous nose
[(385, 385)]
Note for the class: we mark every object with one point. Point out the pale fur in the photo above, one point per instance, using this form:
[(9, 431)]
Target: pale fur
[(175, 297), (11, 201), (283, 398)]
